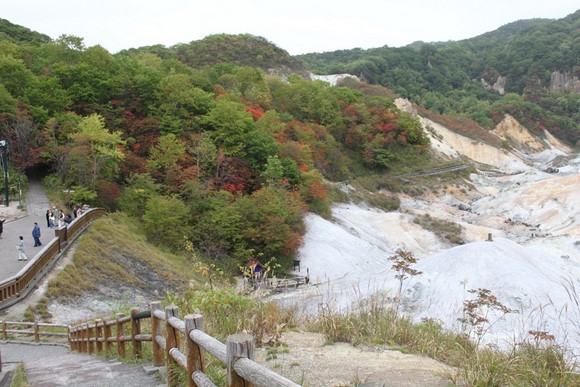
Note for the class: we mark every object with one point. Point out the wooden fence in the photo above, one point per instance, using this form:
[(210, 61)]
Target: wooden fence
[(167, 332), (16, 287), (39, 333)]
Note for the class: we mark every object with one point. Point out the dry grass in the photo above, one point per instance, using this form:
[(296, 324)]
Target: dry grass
[(442, 228), (533, 363), (115, 251), (19, 378)]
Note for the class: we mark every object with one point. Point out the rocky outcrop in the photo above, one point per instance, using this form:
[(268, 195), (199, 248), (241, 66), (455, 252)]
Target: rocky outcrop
[(564, 83), (511, 130), (498, 85), (333, 79)]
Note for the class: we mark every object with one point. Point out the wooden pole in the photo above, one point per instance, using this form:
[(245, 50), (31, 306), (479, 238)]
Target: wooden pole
[(172, 341), (135, 330), (71, 343), (90, 344), (238, 346), (36, 333), (156, 331), (194, 351), (99, 335), (120, 336), (108, 334), (82, 337)]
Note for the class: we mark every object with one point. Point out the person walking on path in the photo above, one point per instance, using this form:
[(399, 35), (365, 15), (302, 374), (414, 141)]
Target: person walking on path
[(21, 251), (2, 227), (36, 235)]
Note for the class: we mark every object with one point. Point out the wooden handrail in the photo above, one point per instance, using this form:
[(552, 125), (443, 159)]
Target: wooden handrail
[(13, 331), (167, 329), (15, 288)]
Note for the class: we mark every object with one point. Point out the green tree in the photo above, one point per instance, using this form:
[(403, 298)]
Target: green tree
[(95, 152), (138, 190), (8, 103), (231, 124), (14, 75), (180, 100), (205, 153), (166, 154), (165, 220)]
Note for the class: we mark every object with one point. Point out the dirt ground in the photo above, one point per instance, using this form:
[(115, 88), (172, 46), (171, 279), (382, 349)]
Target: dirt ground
[(306, 360)]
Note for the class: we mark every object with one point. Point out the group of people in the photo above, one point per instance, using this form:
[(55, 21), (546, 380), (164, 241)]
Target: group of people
[(57, 218), (54, 218)]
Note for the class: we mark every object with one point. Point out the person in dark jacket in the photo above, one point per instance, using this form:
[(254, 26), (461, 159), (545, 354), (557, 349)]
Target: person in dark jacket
[(36, 235), (2, 227)]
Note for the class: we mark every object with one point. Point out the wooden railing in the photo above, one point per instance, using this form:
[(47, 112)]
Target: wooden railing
[(34, 332), (167, 330), (16, 287)]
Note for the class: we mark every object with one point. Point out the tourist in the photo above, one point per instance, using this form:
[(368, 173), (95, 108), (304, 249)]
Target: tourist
[(36, 235), (21, 251)]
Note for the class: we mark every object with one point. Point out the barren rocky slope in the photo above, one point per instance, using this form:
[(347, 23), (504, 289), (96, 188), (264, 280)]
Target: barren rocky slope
[(527, 197)]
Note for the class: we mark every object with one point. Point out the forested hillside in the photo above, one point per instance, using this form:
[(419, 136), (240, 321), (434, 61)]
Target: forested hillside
[(222, 153), (507, 70), (224, 140)]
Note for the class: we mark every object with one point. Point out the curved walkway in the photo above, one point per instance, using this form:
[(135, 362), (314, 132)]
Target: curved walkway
[(36, 206)]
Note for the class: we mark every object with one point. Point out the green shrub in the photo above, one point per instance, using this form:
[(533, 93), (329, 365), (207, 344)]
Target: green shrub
[(385, 202), (442, 228), (226, 313)]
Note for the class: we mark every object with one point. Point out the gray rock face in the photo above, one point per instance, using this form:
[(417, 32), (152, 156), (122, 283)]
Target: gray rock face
[(564, 82)]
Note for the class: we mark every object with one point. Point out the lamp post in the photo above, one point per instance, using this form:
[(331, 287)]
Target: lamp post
[(4, 146)]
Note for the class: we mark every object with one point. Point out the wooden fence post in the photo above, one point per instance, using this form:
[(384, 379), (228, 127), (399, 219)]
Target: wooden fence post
[(4, 333), (71, 343), (108, 334), (99, 335), (90, 344), (171, 341), (135, 330), (82, 337), (120, 336), (194, 351), (156, 331), (237, 346), (36, 332)]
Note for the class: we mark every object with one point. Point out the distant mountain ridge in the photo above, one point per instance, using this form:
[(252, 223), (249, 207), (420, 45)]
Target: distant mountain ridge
[(19, 34), (241, 50), (528, 68)]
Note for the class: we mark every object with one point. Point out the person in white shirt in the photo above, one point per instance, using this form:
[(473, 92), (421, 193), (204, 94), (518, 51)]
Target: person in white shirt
[(21, 250)]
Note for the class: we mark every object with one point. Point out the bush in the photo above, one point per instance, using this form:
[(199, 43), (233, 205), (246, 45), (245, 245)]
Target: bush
[(165, 220), (226, 313), (442, 228), (384, 202)]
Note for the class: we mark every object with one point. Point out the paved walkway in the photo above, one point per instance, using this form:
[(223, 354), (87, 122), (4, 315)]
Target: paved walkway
[(36, 206), (48, 366)]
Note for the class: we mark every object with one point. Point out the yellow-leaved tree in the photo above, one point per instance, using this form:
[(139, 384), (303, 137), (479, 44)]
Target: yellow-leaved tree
[(95, 152)]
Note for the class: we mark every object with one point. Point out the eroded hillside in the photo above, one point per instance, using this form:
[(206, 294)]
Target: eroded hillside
[(524, 196)]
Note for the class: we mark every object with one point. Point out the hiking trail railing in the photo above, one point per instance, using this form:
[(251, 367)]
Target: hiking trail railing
[(40, 333), (167, 332), (18, 286)]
